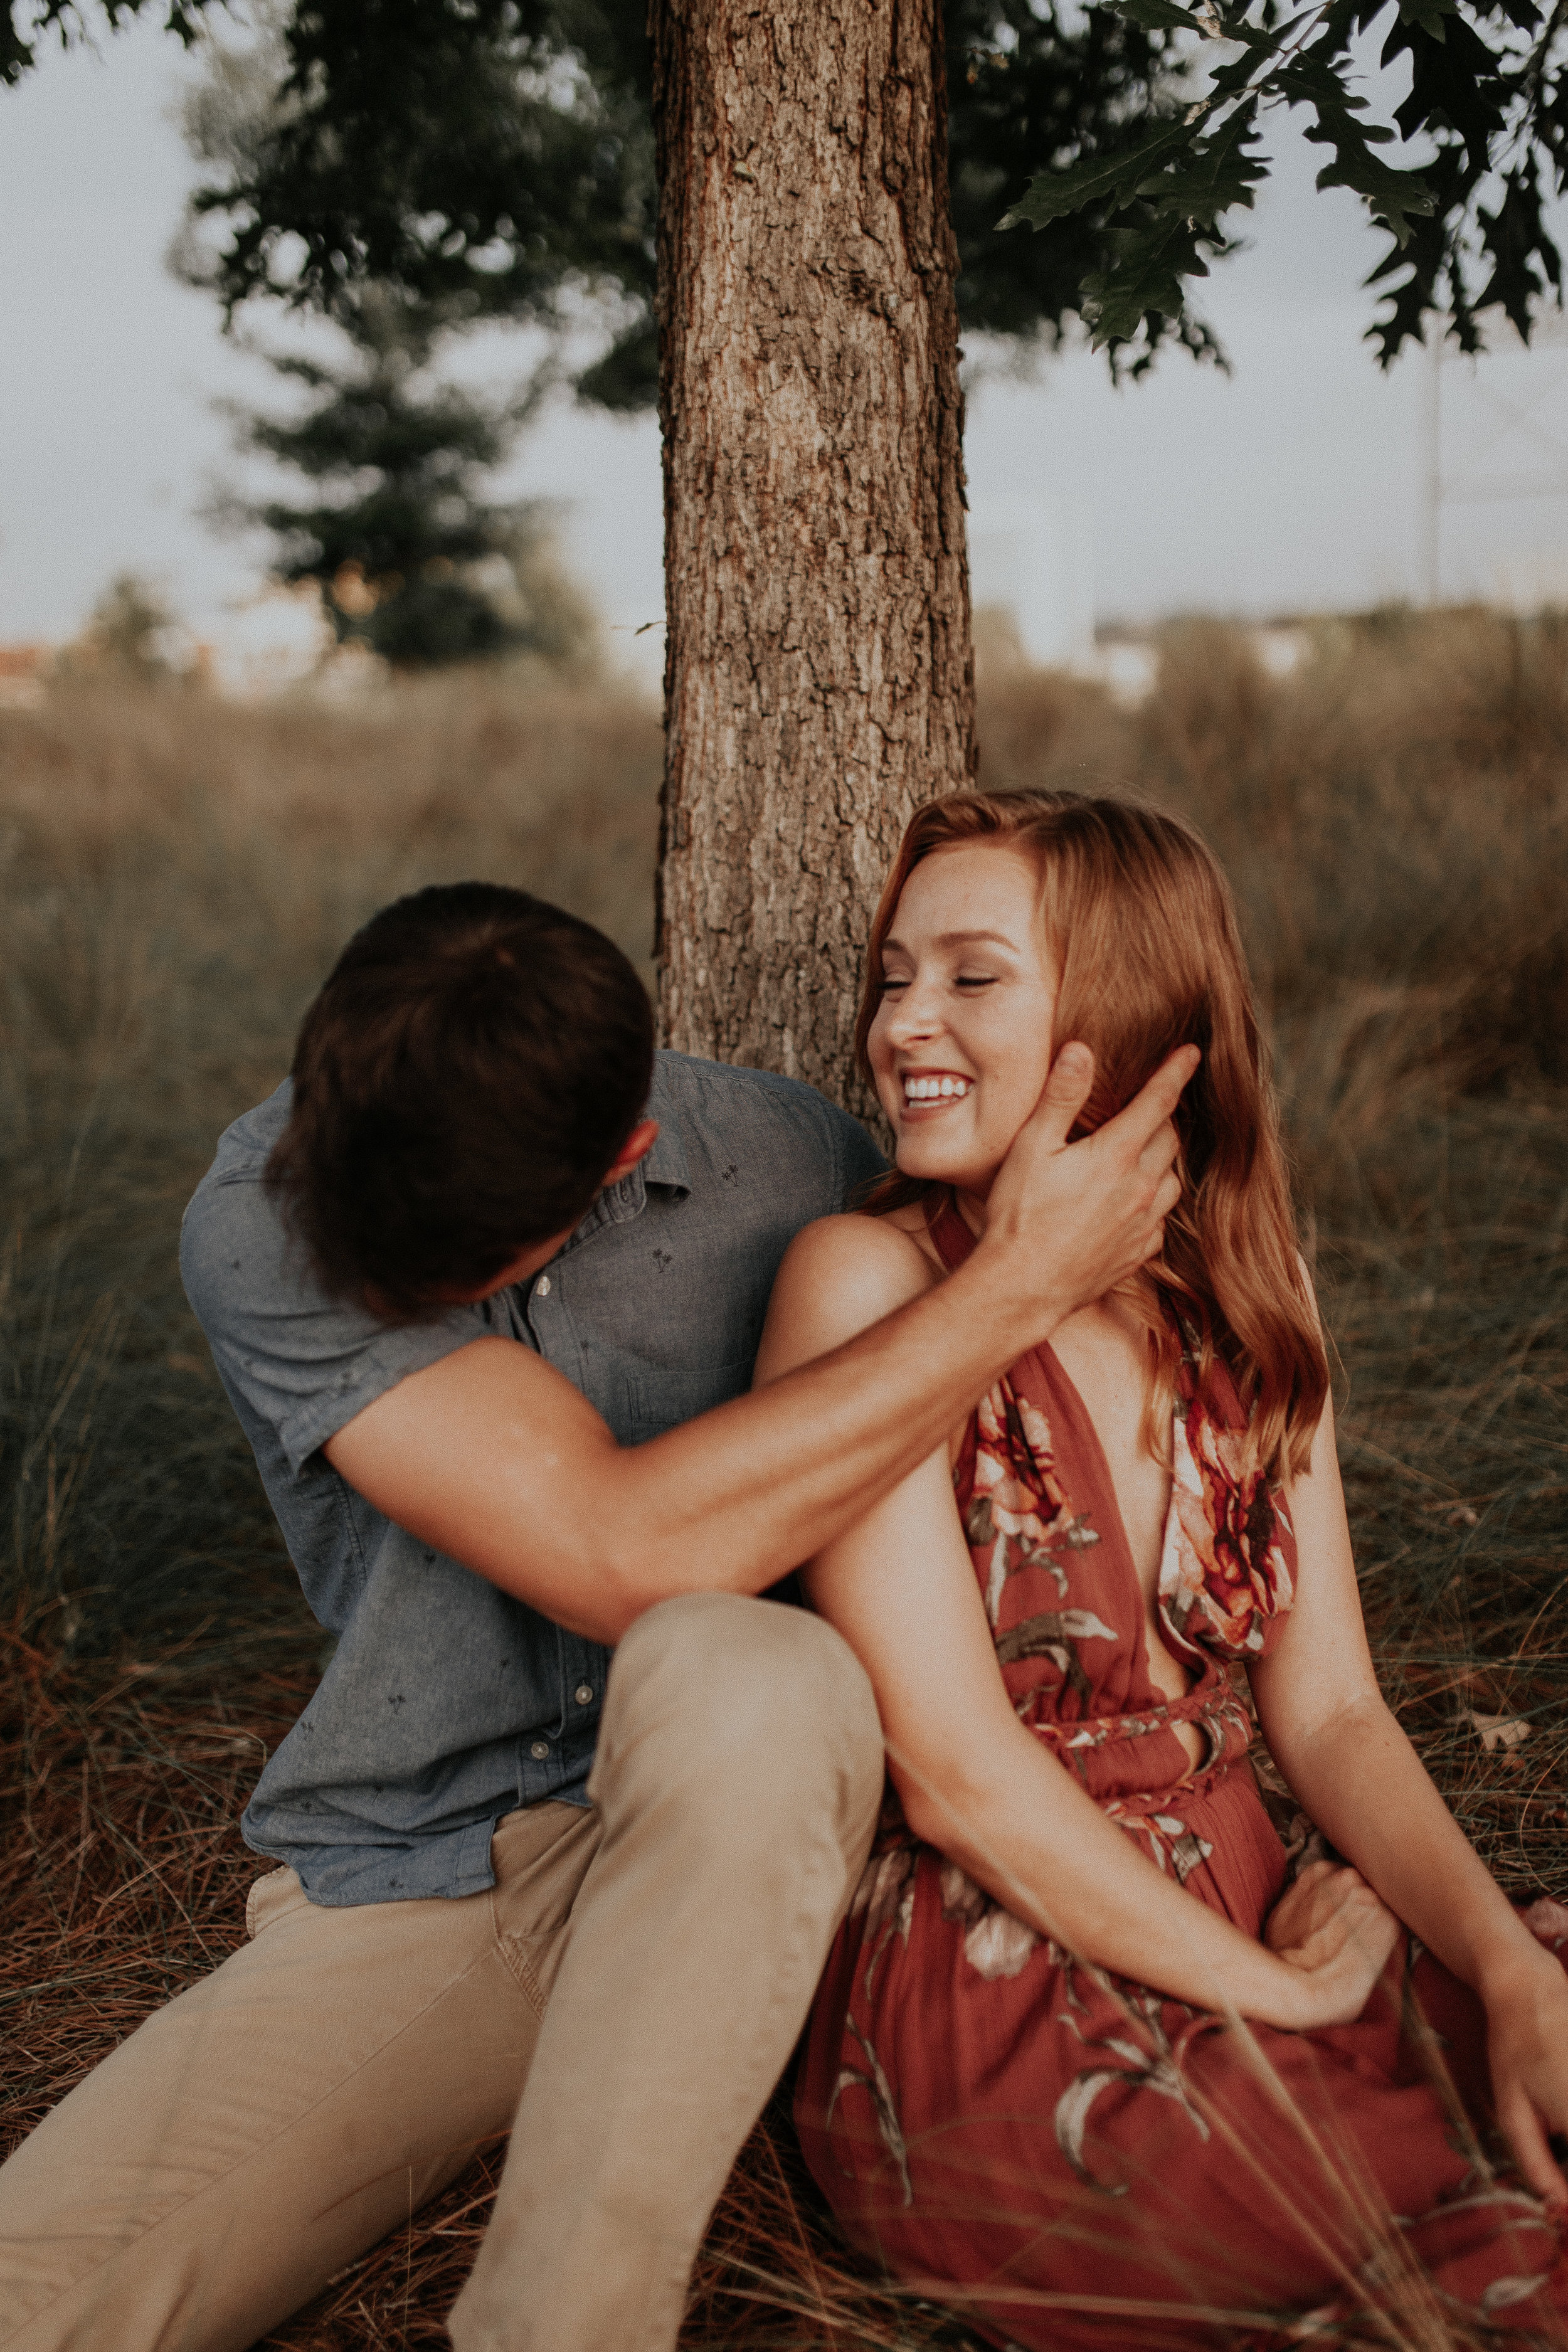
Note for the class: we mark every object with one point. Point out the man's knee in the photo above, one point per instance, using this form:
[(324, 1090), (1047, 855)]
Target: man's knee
[(747, 1695)]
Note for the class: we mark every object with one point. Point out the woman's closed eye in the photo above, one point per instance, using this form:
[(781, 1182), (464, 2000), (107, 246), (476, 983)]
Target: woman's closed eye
[(891, 983)]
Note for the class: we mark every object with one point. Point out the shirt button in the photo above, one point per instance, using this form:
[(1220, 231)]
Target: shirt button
[(542, 1288), (540, 1750), (584, 1693)]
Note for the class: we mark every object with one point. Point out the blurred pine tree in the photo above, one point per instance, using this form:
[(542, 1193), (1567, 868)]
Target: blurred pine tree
[(414, 561)]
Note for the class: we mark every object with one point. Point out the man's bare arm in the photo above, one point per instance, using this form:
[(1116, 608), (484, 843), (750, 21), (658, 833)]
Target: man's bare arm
[(494, 1458)]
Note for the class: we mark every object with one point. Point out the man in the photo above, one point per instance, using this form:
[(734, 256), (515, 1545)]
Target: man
[(484, 1286)]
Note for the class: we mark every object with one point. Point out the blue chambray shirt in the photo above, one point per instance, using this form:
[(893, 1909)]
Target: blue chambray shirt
[(446, 1703)]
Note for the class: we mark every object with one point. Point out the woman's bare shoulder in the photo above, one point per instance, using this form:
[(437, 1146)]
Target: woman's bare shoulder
[(876, 1253), (838, 1277)]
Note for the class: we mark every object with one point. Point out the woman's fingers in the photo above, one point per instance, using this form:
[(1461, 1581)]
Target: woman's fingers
[(1321, 1893), (1527, 2022), (1302, 1910), (1334, 1926), (1154, 1160), (1380, 1933), (1371, 1933), (1368, 1917), (1522, 2128)]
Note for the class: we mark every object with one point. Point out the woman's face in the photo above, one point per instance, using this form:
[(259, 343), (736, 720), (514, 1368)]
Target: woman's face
[(960, 1045)]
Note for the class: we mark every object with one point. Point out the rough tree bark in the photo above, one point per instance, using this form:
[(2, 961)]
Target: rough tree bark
[(819, 675)]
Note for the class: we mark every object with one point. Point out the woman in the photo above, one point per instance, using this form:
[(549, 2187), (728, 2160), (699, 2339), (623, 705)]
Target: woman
[(1085, 2053)]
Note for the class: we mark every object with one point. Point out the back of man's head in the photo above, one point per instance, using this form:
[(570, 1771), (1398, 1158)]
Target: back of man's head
[(462, 1083)]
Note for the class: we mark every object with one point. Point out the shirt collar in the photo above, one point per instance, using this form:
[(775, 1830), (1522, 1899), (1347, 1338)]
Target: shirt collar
[(664, 1164)]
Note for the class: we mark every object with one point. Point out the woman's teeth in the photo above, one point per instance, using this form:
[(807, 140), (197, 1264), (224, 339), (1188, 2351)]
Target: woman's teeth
[(935, 1090)]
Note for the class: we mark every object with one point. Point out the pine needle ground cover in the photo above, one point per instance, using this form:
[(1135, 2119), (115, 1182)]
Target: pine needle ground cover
[(175, 875)]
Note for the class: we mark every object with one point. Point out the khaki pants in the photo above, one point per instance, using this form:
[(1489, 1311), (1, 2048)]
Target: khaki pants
[(625, 1997)]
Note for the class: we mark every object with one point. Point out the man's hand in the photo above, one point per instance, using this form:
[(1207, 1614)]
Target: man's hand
[(1078, 1218)]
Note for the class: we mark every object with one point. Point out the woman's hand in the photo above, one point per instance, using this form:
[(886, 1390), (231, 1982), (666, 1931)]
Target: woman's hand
[(1527, 2048), (1331, 1927)]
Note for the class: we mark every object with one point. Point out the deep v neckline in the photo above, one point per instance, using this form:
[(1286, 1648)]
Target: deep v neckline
[(953, 1241)]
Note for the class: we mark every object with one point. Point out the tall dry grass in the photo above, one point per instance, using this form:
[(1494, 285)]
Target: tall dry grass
[(176, 875)]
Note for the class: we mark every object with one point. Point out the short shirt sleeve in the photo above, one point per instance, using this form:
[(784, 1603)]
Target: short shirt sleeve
[(298, 1365)]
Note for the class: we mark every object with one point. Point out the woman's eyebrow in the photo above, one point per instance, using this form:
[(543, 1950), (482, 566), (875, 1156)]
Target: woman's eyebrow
[(968, 939), (955, 940)]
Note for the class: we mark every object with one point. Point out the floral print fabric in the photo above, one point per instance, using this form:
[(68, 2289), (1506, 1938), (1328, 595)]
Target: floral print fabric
[(1002, 2122)]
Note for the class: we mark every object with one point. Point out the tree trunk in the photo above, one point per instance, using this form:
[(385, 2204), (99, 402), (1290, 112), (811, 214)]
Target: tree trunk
[(819, 676)]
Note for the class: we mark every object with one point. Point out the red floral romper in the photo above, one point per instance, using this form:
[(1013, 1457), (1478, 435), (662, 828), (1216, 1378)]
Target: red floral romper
[(1082, 2161)]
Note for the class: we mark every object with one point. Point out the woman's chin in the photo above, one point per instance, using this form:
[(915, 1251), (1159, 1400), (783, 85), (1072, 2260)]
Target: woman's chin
[(923, 1158)]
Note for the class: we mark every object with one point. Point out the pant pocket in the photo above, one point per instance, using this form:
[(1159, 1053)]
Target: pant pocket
[(540, 1864), (270, 1897)]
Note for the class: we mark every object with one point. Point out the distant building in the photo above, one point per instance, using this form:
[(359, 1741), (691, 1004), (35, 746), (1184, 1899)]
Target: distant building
[(1030, 558), (24, 672)]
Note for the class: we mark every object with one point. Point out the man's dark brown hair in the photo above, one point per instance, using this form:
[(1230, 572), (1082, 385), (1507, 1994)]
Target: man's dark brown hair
[(463, 1081)]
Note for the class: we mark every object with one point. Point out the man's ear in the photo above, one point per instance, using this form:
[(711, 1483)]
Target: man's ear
[(637, 1147)]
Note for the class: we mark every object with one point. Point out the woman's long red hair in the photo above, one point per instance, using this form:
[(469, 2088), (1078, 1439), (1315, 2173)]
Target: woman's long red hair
[(1141, 928)]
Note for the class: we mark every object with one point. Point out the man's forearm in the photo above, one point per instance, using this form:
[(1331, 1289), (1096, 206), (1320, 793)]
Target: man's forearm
[(496, 1460)]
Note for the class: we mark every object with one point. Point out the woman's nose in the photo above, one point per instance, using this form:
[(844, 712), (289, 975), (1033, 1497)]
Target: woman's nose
[(914, 1014)]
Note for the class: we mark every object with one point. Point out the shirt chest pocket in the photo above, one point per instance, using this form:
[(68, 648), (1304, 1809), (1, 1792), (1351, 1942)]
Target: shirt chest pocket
[(658, 1400)]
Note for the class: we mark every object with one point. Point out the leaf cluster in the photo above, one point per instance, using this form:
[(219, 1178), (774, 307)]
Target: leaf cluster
[(481, 158), (1487, 100), (495, 158), (1028, 83), (22, 26)]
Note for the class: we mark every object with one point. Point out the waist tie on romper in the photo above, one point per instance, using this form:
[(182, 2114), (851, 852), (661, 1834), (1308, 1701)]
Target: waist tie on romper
[(1211, 1705)]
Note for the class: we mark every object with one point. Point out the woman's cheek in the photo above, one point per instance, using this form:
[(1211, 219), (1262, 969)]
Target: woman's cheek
[(1003, 1106)]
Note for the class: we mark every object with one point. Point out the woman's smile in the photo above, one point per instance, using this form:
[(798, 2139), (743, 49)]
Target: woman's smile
[(927, 1092)]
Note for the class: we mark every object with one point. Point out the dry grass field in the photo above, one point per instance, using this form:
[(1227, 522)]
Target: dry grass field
[(176, 874)]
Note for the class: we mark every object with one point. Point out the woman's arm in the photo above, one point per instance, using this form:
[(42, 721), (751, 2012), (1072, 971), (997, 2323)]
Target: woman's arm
[(1354, 1770), (974, 1781)]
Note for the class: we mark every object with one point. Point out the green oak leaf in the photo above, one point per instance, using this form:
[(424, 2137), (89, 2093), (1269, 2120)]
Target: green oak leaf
[(1393, 196), (1051, 195), (1220, 174), (1160, 15), (1310, 81), (1146, 274), (1428, 14)]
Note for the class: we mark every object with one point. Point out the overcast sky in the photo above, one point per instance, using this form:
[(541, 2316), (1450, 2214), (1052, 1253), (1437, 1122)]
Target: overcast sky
[(1296, 484)]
